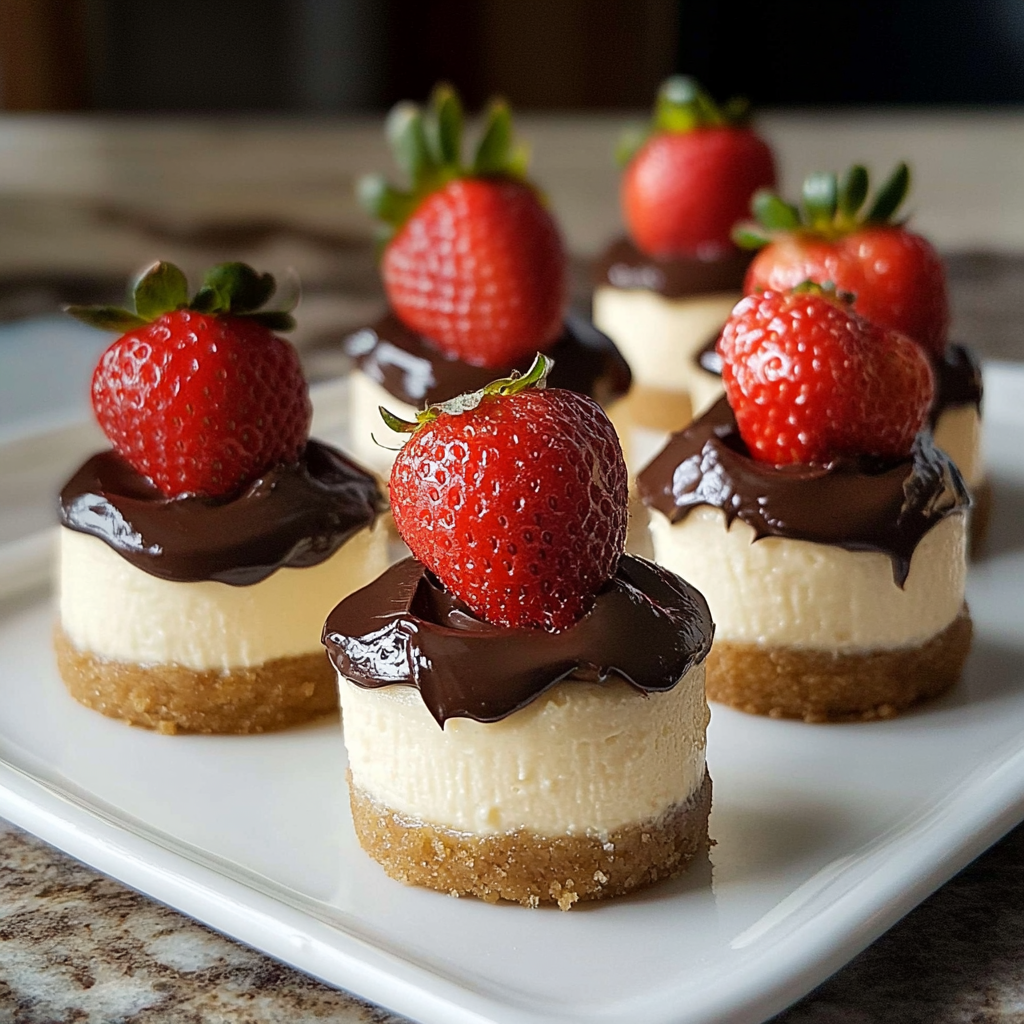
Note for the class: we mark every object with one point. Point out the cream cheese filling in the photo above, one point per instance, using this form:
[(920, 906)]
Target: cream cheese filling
[(958, 434), (371, 443), (658, 336), (705, 389), (797, 593), (584, 758), (117, 611)]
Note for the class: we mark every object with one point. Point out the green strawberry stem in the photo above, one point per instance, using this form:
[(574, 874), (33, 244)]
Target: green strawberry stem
[(825, 289), (229, 289), (681, 105), (831, 207), (536, 377), (427, 146)]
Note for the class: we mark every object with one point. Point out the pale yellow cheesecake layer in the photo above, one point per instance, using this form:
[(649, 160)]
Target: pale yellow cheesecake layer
[(958, 434), (585, 758), (795, 593), (705, 389), (113, 610), (371, 442), (659, 337)]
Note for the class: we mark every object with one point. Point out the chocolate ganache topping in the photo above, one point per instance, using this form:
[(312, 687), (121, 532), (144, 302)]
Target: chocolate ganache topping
[(623, 265), (410, 367), (957, 380), (293, 515), (861, 504), (647, 626)]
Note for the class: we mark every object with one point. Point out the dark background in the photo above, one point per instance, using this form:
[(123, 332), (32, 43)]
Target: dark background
[(335, 56)]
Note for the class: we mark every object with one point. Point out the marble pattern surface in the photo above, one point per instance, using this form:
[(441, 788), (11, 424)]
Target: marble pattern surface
[(78, 948)]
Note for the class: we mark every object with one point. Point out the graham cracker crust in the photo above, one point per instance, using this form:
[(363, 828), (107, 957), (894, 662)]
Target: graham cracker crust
[(173, 698), (822, 686), (981, 515), (530, 869)]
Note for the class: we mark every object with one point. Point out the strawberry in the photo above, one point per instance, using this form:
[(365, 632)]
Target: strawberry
[(690, 179), (200, 396), (896, 277), (515, 498), (473, 260), (811, 381)]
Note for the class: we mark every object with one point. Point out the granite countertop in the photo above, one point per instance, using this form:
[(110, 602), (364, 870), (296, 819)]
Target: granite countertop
[(78, 947), (84, 203)]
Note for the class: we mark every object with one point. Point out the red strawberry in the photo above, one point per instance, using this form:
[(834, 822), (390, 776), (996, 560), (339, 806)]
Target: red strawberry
[(474, 260), (515, 498), (896, 277), (201, 397), (692, 179), (809, 380)]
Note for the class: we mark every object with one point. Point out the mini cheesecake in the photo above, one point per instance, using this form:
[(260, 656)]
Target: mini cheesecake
[(837, 590), (203, 615), (956, 427), (661, 312), (520, 764), (404, 372), (955, 419)]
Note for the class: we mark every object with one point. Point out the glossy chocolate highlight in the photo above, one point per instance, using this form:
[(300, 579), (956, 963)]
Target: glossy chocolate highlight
[(293, 515), (862, 504), (410, 367), (957, 380), (647, 626), (623, 265)]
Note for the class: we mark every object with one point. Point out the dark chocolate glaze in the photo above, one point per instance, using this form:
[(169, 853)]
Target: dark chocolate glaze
[(957, 376), (623, 265), (862, 504), (410, 367), (957, 380), (293, 515), (708, 358), (647, 626)]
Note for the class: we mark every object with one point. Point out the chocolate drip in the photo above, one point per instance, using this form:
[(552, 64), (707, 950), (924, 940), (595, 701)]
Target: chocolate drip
[(623, 265), (647, 626), (293, 515), (410, 367), (957, 380), (862, 504)]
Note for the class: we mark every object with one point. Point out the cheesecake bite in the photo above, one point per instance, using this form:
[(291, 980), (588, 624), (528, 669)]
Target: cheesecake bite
[(524, 704), (199, 555), (896, 279), (664, 291), (828, 538), (476, 277)]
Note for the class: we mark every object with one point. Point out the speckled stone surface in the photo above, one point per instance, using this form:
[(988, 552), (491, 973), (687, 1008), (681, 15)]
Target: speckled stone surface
[(77, 947)]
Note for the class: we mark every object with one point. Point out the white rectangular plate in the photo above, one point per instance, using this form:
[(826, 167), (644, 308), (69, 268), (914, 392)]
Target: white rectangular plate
[(825, 835)]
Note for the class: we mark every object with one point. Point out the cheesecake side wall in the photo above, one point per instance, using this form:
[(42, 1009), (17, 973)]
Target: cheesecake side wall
[(800, 594), (583, 758), (111, 609)]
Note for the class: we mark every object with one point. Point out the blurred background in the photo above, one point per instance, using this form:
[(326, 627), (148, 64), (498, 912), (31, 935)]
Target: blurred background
[(342, 56), (203, 130)]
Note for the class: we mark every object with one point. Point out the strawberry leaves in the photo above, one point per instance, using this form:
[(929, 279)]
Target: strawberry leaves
[(536, 377), (682, 105), (831, 206), (233, 289), (160, 289), (427, 146)]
